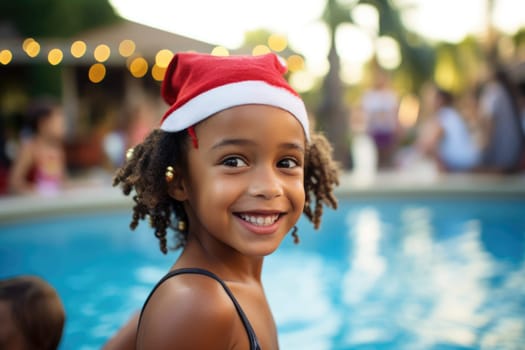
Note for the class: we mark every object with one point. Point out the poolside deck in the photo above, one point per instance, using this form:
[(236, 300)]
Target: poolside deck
[(432, 184), (96, 193)]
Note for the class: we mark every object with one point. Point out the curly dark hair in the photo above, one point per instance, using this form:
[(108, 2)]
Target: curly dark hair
[(144, 173)]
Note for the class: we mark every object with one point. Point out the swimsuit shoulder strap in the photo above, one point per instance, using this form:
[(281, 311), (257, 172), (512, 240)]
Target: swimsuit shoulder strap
[(254, 344)]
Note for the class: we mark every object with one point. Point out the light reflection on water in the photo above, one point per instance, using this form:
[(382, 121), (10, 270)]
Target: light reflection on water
[(411, 277), (382, 274)]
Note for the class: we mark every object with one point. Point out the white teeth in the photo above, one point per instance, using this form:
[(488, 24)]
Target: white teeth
[(260, 220)]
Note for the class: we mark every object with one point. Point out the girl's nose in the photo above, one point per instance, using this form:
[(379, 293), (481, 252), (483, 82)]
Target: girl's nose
[(266, 183)]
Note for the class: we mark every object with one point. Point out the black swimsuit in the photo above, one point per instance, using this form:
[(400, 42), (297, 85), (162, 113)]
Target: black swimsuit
[(254, 344)]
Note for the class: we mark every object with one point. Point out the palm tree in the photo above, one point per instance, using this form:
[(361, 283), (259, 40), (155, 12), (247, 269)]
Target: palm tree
[(332, 111)]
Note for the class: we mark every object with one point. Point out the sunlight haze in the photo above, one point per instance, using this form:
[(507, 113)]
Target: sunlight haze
[(225, 22)]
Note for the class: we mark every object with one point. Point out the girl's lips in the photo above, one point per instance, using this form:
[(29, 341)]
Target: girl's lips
[(260, 220), (260, 223)]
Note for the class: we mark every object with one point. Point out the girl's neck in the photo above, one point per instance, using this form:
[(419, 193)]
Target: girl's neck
[(226, 262)]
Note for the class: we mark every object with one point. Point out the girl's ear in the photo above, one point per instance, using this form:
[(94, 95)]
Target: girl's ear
[(177, 187)]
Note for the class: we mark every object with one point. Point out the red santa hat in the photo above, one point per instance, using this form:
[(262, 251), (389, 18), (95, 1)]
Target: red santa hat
[(197, 86)]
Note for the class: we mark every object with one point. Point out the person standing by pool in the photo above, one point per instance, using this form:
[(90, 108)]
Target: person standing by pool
[(504, 137), (231, 169), (380, 107)]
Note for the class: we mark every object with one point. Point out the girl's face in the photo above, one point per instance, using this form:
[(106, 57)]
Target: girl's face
[(245, 184), (53, 126)]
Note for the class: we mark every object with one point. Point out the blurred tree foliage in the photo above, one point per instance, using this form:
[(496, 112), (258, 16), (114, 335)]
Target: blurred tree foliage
[(52, 19), (256, 37), (55, 18), (418, 58), (519, 38), (457, 67)]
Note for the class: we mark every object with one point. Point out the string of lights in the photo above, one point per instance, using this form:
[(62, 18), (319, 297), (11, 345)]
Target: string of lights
[(101, 56)]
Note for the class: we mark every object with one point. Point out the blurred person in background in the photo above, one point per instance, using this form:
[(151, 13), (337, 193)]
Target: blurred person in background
[(39, 165), (521, 88), (142, 120), (521, 92), (379, 106), (448, 139), (136, 122), (5, 161), (31, 314), (503, 135)]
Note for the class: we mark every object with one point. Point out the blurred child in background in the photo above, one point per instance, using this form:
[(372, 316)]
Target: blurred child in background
[(31, 314), (39, 166)]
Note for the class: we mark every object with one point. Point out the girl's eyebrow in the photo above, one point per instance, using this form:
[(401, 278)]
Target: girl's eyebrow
[(233, 142), (247, 142), (292, 146)]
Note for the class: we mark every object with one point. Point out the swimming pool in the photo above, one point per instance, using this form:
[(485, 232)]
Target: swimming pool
[(380, 274)]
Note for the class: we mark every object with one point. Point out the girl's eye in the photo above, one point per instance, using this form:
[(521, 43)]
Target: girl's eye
[(287, 163), (234, 162)]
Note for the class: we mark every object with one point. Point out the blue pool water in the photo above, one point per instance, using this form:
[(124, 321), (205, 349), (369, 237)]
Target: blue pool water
[(380, 274)]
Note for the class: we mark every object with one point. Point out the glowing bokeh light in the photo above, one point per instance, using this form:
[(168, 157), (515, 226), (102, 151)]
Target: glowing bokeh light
[(366, 16), (408, 111), (351, 74), (26, 43), (388, 52), (220, 51), (78, 49), (277, 42), (354, 44), (158, 72), (302, 81), (138, 67), (295, 63), (163, 58), (126, 48), (5, 57), (55, 56), (260, 50), (445, 73), (97, 73), (31, 47), (102, 53)]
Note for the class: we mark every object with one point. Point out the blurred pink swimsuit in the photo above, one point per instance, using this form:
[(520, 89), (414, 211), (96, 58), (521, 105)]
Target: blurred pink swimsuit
[(47, 175)]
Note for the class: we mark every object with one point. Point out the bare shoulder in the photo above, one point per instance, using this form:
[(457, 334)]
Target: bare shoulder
[(27, 150), (189, 312)]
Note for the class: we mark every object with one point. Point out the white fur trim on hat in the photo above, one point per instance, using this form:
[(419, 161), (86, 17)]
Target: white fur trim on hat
[(226, 96)]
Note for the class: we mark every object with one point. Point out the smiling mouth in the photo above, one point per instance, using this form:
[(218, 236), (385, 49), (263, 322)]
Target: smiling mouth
[(260, 220)]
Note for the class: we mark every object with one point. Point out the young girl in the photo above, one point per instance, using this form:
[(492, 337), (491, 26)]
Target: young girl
[(231, 169), (40, 166)]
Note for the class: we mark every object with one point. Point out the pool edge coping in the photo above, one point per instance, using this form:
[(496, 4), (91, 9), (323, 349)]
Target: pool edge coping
[(103, 197)]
